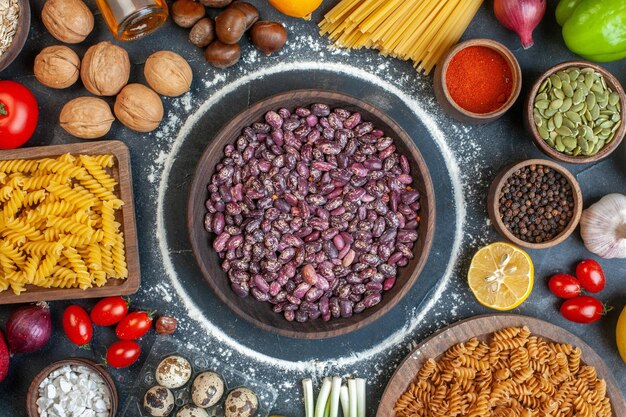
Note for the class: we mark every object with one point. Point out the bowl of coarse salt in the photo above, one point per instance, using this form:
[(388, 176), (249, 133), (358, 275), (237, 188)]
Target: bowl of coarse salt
[(72, 388), (14, 28)]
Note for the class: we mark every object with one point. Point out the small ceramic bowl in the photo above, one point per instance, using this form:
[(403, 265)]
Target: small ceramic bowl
[(611, 82), (19, 39), (494, 203), (33, 390), (449, 105)]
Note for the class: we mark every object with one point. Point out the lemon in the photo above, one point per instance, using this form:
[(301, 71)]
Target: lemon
[(501, 276), (296, 8), (620, 334)]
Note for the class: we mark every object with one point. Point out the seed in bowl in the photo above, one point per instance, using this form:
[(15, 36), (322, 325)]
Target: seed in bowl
[(173, 372), (9, 13), (313, 212), (74, 391), (536, 203), (576, 112), (158, 401)]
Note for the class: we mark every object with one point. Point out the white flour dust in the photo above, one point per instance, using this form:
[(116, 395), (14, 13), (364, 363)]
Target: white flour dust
[(415, 318)]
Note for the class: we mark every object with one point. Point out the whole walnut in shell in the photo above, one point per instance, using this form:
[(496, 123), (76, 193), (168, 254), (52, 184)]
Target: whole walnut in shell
[(57, 67), (69, 21), (139, 108), (86, 117), (105, 69), (168, 73)]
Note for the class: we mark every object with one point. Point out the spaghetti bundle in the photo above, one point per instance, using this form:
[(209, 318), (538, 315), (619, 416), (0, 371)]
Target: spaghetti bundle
[(417, 30)]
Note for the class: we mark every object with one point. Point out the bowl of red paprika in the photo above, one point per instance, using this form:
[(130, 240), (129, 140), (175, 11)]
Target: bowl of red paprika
[(478, 81)]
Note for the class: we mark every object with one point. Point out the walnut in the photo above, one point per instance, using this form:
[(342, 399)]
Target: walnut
[(168, 73), (139, 108), (86, 117), (69, 21), (57, 67), (105, 69)]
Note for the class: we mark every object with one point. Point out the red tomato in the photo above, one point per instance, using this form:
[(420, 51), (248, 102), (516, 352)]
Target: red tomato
[(134, 326), (77, 325), (583, 309), (591, 275), (123, 353), (564, 286), (18, 114), (109, 311)]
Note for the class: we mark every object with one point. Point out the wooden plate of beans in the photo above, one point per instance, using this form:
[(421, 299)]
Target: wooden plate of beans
[(535, 203)]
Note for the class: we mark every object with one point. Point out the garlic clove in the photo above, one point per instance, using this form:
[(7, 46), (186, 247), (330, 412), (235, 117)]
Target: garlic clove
[(603, 227)]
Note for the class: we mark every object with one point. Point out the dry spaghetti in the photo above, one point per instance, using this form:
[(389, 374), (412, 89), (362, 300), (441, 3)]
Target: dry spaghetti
[(419, 30)]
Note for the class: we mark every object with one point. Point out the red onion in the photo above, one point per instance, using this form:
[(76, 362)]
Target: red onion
[(520, 16), (29, 328)]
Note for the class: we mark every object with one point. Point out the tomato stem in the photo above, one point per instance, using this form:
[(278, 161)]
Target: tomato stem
[(3, 109)]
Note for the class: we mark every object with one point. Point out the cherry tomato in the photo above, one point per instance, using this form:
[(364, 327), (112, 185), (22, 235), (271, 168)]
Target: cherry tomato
[(591, 275), (583, 309), (18, 114), (77, 325), (109, 311), (134, 326), (123, 353), (564, 286)]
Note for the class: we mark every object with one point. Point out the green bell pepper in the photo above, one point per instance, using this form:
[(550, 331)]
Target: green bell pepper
[(594, 29)]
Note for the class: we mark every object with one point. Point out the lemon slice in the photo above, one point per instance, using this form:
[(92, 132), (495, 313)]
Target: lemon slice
[(501, 276)]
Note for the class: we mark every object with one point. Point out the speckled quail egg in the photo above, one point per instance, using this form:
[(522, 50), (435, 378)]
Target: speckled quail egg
[(241, 402), (191, 411), (207, 389), (158, 401), (173, 372)]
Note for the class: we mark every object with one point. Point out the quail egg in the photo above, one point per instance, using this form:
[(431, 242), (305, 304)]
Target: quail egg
[(241, 402), (173, 372), (191, 411), (158, 401), (207, 389)]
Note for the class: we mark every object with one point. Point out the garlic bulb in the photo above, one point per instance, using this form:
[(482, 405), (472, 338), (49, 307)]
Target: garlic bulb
[(603, 227)]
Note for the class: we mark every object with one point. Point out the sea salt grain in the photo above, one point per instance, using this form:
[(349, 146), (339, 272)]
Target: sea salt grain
[(9, 12), (73, 391)]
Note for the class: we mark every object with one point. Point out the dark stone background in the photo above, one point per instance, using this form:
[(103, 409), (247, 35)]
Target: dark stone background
[(480, 151)]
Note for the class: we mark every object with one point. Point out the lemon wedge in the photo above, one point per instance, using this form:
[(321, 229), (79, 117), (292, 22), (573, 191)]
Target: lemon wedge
[(501, 276)]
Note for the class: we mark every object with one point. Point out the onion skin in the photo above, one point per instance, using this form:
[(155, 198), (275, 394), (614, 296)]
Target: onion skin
[(520, 16), (4, 357), (29, 328)]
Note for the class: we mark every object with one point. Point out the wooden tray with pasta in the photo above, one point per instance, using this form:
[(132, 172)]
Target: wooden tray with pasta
[(416, 382), (67, 223)]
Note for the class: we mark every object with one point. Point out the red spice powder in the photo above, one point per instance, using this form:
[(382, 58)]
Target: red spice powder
[(479, 79)]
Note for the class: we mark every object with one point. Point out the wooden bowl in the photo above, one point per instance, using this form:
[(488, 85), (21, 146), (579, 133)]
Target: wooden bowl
[(21, 34), (482, 327), (449, 105), (33, 390), (611, 82), (260, 313), (494, 205)]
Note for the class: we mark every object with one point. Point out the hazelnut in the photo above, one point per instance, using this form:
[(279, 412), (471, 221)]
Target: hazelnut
[(221, 55), (57, 67), (186, 13), (86, 117), (269, 37), (69, 21), (166, 325), (105, 69), (168, 73), (251, 12), (139, 108), (216, 4), (230, 25), (203, 32)]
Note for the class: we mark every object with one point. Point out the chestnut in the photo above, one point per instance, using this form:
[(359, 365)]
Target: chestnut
[(269, 37), (230, 25), (222, 55), (216, 4), (202, 33), (251, 12), (186, 13)]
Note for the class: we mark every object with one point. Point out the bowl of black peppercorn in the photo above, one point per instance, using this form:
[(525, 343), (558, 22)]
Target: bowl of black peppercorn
[(535, 203)]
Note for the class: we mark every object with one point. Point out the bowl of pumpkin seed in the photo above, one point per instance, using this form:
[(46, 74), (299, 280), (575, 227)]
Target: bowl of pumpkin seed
[(575, 111)]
